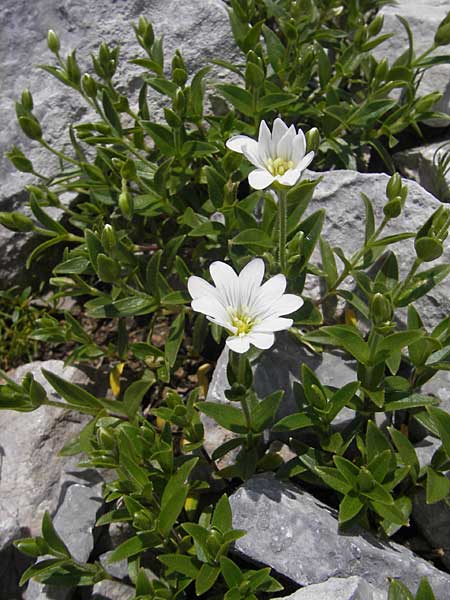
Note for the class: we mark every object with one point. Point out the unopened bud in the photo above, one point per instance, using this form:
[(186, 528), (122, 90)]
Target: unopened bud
[(27, 100), (393, 208), (394, 186), (380, 309), (89, 86), (16, 221), (53, 41), (179, 102), (109, 238), (376, 25), (31, 127), (126, 204), (428, 248), (312, 139)]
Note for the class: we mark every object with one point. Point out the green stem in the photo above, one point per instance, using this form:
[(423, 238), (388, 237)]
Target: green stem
[(60, 155), (416, 264), (282, 228)]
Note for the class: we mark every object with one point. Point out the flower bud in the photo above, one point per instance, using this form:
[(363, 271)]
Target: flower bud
[(442, 36), (142, 25), (19, 160), (376, 25), (16, 221), (149, 36), (380, 309), (179, 76), (126, 204), (108, 238), (106, 438), (312, 139), (394, 186), (31, 127), (27, 100), (53, 41), (428, 248), (73, 70), (89, 86), (179, 102), (393, 208)]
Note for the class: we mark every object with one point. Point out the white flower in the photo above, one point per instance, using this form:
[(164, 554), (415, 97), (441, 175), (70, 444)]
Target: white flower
[(279, 156), (251, 312)]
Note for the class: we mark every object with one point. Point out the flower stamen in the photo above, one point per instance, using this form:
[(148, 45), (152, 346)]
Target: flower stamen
[(242, 321), (278, 166)]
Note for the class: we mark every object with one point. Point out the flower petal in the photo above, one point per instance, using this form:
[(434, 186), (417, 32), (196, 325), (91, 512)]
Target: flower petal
[(250, 279), (298, 147), (288, 303), (261, 340), (290, 177), (284, 146), (211, 307), (260, 179), (264, 141), (199, 287), (278, 130), (236, 142), (268, 293), (272, 324), (304, 163), (238, 343), (226, 282), (251, 152)]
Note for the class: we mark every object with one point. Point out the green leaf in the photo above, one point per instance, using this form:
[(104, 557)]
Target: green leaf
[(111, 113), (228, 416), (441, 419), (376, 441), (186, 565), (222, 517), (293, 422), (173, 343), (328, 262), (399, 591), (72, 393), (400, 339), (76, 265), (253, 238), (45, 219), (129, 547), (350, 339), (422, 283), (133, 396), (406, 451), (425, 592), (162, 136), (239, 98), (347, 469), (349, 507), (391, 239), (206, 578), (230, 572), (52, 538), (174, 496), (264, 413), (275, 101), (275, 49), (438, 486), (413, 401), (334, 479)]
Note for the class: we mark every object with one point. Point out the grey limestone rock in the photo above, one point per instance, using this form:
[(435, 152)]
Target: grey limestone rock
[(335, 588), (200, 28), (423, 17), (112, 590), (33, 478), (339, 192), (421, 165), (298, 536)]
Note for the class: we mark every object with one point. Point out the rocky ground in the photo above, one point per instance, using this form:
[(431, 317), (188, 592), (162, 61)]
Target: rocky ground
[(288, 529)]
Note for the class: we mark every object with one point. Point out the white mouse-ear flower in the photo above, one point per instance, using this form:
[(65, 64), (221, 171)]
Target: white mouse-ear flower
[(248, 309), (279, 156)]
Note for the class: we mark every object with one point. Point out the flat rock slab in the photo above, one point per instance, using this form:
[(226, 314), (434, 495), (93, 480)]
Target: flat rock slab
[(421, 164), (339, 193), (349, 588), (112, 590), (423, 17), (298, 536)]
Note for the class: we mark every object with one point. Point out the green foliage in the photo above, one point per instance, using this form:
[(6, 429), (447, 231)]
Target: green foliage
[(159, 201)]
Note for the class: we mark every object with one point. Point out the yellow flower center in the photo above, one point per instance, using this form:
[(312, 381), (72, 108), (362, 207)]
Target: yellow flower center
[(278, 166), (242, 321)]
